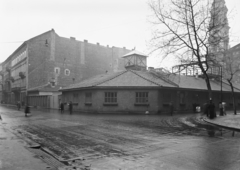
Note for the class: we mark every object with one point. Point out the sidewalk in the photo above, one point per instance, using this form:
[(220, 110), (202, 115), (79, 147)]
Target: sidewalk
[(229, 121), (14, 155)]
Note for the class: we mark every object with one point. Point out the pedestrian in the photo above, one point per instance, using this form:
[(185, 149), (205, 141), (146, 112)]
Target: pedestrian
[(220, 109), (224, 108), (211, 109), (171, 108), (18, 105), (27, 110), (70, 107), (62, 107)]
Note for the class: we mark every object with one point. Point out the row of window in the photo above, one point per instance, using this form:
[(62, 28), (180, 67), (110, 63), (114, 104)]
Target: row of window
[(16, 71), (66, 71), (19, 58), (111, 97)]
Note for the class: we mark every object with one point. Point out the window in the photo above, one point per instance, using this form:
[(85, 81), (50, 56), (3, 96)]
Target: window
[(110, 97), (141, 97), (67, 72), (57, 70), (88, 98)]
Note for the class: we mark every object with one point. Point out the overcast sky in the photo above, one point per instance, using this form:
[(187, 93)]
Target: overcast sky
[(121, 23)]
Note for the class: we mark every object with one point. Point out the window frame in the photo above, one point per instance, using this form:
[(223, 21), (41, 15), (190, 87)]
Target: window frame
[(57, 70), (110, 98), (141, 98), (65, 72), (88, 98)]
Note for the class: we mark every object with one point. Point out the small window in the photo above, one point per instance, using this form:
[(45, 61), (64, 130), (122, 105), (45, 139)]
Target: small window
[(110, 97), (57, 70), (67, 72), (141, 97), (88, 98)]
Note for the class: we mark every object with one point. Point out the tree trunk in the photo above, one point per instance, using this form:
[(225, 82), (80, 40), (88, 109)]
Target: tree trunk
[(233, 97), (208, 86)]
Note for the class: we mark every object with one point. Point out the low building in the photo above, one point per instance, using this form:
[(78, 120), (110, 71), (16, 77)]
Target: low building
[(138, 90)]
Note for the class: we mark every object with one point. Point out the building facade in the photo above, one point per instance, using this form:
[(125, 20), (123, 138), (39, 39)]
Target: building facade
[(46, 63), (138, 90)]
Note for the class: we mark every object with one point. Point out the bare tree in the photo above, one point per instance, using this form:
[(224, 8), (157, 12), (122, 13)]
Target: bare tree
[(188, 29), (230, 68)]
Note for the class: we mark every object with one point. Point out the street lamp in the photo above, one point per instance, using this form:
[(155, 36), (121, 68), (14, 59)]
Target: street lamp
[(221, 108)]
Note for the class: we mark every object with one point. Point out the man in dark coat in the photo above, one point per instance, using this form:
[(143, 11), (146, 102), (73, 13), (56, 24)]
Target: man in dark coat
[(211, 109)]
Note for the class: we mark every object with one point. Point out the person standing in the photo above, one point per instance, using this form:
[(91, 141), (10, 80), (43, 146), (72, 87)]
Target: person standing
[(62, 107), (70, 107), (211, 109), (220, 109)]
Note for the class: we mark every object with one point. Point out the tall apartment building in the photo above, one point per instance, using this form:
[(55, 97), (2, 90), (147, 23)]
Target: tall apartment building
[(44, 64)]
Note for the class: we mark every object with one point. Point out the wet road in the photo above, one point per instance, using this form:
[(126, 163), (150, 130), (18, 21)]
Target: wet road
[(129, 141)]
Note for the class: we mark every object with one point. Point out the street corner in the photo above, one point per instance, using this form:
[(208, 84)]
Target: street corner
[(229, 121)]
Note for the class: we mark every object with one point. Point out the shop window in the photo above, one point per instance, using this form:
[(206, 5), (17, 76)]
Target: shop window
[(110, 98), (67, 72)]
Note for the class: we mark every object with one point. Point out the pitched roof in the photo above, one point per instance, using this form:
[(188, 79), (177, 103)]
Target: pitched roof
[(134, 52), (132, 78), (45, 88)]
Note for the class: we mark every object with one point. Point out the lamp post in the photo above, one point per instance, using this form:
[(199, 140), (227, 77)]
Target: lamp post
[(221, 108)]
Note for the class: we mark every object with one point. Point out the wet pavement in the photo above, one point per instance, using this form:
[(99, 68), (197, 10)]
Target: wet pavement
[(99, 141)]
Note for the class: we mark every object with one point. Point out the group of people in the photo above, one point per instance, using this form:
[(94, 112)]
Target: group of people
[(210, 109), (70, 107), (27, 110)]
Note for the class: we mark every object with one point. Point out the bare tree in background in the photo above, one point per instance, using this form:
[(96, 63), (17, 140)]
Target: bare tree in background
[(230, 68), (189, 30)]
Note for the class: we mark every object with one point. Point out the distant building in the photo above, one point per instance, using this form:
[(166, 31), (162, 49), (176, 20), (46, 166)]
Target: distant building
[(138, 90), (234, 54), (44, 64), (219, 28)]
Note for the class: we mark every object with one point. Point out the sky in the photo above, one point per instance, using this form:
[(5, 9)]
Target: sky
[(120, 23)]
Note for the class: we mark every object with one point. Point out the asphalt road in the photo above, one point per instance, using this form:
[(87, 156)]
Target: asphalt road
[(107, 141)]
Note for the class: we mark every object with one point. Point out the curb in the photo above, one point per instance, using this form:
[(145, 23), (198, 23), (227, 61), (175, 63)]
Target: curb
[(222, 126)]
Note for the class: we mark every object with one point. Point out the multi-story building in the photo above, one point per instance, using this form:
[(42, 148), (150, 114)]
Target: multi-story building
[(44, 64)]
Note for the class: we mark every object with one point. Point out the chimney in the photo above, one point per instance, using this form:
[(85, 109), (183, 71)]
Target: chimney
[(72, 38)]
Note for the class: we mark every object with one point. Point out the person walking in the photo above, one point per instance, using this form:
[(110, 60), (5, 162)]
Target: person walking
[(62, 107), (70, 107)]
